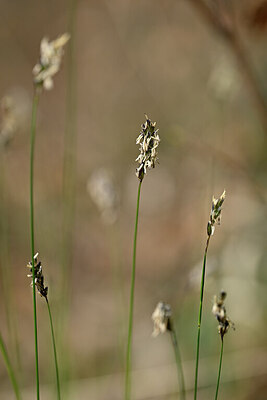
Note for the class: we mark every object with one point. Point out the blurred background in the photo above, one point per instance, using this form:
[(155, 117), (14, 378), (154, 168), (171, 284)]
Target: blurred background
[(128, 58)]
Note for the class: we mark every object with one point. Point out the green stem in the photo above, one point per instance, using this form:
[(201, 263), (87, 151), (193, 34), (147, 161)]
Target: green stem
[(130, 326), (33, 130), (219, 372), (178, 361), (200, 315), (6, 275), (54, 347), (9, 369)]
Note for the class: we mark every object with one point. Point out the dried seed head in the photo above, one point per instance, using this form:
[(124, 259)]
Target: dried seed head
[(219, 311), (215, 215), (8, 121), (101, 188), (51, 54), (161, 318), (148, 141), (38, 276)]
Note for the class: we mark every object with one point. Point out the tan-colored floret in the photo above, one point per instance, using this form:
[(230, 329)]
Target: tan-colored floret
[(161, 318), (215, 215), (149, 141), (219, 311), (51, 54)]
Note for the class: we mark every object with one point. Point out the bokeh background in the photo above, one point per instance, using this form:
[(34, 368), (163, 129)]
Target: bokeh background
[(162, 58)]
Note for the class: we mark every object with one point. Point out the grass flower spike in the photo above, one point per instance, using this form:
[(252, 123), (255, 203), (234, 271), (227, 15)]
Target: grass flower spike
[(38, 276), (9, 124), (149, 141), (161, 317), (219, 311), (50, 61), (162, 323), (215, 215), (102, 190)]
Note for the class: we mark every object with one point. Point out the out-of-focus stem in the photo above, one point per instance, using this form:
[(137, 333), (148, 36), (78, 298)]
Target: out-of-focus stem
[(9, 369)]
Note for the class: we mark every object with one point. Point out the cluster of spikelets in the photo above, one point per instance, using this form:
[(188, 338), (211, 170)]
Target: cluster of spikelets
[(50, 60), (38, 276), (161, 318), (219, 311), (215, 215), (148, 141)]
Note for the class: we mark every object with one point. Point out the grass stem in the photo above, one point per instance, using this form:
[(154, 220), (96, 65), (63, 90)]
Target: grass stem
[(130, 326), (33, 131), (200, 315), (54, 348), (178, 362), (9, 369), (219, 372)]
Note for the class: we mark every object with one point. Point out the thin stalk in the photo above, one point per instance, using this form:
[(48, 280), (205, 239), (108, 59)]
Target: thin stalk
[(54, 347), (219, 372), (33, 130), (200, 314), (9, 369), (6, 275), (178, 361), (130, 326)]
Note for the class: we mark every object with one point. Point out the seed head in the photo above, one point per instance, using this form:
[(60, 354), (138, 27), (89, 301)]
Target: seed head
[(38, 275), (215, 215), (9, 123), (149, 141), (161, 318), (102, 190), (51, 54), (219, 311)]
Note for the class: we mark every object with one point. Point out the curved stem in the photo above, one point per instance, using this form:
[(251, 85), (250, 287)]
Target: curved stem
[(219, 372), (130, 326), (9, 369), (54, 347), (33, 130), (178, 362), (200, 315)]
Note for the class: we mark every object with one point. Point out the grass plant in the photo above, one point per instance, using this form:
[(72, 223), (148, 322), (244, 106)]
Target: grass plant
[(214, 218)]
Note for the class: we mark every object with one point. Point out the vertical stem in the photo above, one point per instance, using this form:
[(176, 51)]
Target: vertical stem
[(178, 361), (130, 326), (54, 347), (9, 369), (6, 275), (33, 129), (200, 314), (219, 372)]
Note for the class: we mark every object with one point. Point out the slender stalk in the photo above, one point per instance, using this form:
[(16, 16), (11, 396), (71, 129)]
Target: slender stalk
[(178, 361), (54, 347), (130, 326), (33, 130), (200, 314), (9, 369), (219, 372), (6, 276)]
